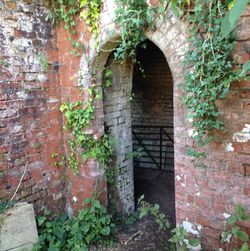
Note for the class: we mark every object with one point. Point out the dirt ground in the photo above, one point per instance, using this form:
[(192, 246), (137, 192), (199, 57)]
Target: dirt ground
[(157, 187)]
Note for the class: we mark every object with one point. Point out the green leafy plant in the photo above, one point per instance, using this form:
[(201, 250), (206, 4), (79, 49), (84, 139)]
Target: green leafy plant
[(78, 117), (125, 219), (180, 239), (133, 17), (67, 11), (146, 208), (107, 78), (91, 12), (212, 72), (2, 174), (43, 61), (228, 23), (234, 232), (59, 160), (137, 154), (92, 226)]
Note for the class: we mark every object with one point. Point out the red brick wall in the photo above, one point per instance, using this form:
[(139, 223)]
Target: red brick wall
[(31, 127), (204, 193), (30, 121), (90, 178)]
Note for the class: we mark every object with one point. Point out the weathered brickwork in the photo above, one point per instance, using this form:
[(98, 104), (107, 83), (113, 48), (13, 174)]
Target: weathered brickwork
[(117, 121), (152, 93), (31, 124)]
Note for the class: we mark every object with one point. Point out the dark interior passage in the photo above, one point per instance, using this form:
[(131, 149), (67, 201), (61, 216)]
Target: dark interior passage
[(152, 128)]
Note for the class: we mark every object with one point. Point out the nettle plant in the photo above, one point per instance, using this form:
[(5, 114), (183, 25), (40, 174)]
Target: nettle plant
[(91, 226)]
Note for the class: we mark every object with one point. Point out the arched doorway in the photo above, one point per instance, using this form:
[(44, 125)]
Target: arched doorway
[(147, 110), (152, 129)]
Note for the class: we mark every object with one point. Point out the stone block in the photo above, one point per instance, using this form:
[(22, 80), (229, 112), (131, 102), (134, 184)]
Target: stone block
[(18, 230)]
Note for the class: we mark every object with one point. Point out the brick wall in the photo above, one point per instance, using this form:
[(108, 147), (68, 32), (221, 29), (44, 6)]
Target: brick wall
[(30, 122), (117, 121), (207, 189), (152, 94)]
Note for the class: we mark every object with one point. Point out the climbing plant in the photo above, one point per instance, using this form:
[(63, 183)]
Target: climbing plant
[(66, 11), (212, 69), (211, 73), (78, 116), (133, 17), (91, 12)]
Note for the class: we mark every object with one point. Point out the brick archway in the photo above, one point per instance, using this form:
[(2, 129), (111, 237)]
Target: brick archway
[(170, 37)]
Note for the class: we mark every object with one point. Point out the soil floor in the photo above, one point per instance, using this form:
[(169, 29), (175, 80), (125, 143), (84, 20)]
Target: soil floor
[(157, 187)]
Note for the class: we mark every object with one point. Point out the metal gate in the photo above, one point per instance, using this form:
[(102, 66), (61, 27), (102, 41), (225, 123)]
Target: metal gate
[(155, 147)]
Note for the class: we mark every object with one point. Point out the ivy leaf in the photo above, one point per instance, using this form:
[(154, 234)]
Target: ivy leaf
[(143, 213), (245, 69), (194, 243), (41, 220), (232, 220), (230, 20), (244, 247), (224, 93), (242, 235)]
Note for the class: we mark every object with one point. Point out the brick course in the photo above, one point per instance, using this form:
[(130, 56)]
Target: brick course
[(31, 124)]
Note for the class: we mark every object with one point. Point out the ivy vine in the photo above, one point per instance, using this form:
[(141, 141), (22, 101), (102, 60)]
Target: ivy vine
[(210, 57), (213, 70), (66, 11), (78, 116), (133, 17)]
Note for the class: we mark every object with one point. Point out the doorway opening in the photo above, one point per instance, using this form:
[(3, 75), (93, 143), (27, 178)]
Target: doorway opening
[(138, 115), (152, 129)]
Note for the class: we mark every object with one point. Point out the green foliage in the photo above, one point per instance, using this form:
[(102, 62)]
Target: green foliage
[(231, 236), (146, 208), (59, 160), (67, 11), (107, 77), (5, 206), (181, 239), (2, 174), (245, 69), (234, 232), (193, 153), (43, 61), (212, 69), (137, 154), (229, 21), (92, 226), (125, 220), (133, 17), (91, 12), (178, 6), (78, 116)]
